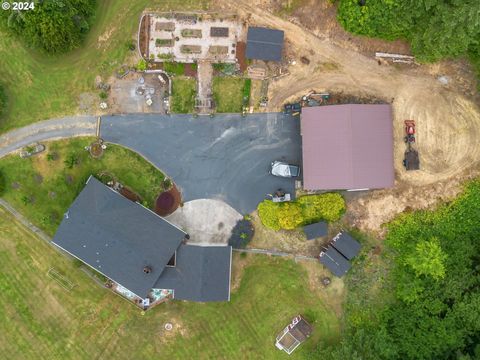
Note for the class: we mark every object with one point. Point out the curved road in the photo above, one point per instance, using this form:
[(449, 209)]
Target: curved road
[(47, 130)]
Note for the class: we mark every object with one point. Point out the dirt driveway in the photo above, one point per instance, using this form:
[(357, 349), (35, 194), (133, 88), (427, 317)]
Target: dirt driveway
[(448, 120)]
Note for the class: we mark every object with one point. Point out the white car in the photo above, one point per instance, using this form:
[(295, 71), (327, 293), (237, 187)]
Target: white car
[(284, 170)]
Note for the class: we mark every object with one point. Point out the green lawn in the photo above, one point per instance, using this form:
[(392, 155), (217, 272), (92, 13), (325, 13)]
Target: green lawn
[(40, 319), (228, 94), (44, 189), (41, 86), (183, 95)]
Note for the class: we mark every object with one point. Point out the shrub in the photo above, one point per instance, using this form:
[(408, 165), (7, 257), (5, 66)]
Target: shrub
[(103, 95), (306, 210), (71, 160), (328, 206), (3, 100), (142, 65)]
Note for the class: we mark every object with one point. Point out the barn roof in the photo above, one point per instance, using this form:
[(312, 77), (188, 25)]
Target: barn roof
[(347, 147), (118, 237), (264, 44)]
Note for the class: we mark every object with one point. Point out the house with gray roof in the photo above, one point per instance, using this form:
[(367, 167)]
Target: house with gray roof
[(139, 251), (264, 44)]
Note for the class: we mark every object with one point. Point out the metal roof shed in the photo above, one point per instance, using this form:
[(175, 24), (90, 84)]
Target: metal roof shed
[(316, 230), (346, 245), (264, 44), (334, 261), (347, 147)]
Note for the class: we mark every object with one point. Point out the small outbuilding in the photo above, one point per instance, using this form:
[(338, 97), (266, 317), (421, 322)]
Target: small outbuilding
[(334, 261), (293, 335), (314, 231), (264, 44), (346, 245)]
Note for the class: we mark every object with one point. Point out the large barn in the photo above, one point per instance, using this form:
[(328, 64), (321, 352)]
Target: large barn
[(347, 147)]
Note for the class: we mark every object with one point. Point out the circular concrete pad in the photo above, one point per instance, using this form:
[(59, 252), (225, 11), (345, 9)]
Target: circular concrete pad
[(207, 221)]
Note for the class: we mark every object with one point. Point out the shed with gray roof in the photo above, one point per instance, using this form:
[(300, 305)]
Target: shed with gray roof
[(264, 44), (334, 261), (346, 245)]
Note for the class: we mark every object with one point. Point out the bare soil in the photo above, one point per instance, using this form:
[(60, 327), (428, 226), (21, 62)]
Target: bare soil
[(168, 201)]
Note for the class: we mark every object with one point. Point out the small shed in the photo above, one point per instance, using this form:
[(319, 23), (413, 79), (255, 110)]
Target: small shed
[(316, 230), (293, 335), (264, 44), (334, 261), (346, 245)]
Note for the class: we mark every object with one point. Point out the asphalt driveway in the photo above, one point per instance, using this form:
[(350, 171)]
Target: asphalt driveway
[(226, 157)]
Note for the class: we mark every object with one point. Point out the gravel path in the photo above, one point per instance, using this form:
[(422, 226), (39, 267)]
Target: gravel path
[(65, 127)]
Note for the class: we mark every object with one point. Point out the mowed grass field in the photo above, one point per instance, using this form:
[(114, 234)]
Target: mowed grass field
[(41, 86), (39, 319), (44, 186), (183, 95)]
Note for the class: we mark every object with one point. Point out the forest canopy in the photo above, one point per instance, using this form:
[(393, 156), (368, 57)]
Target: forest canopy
[(436, 29), (55, 26)]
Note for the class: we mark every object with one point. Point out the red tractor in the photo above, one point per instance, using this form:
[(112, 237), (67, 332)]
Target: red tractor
[(410, 131)]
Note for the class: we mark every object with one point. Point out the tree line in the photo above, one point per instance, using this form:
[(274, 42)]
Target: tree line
[(56, 26)]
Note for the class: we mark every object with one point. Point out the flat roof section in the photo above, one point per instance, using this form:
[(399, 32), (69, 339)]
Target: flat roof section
[(346, 245), (201, 273), (347, 147), (118, 237), (264, 44), (334, 261)]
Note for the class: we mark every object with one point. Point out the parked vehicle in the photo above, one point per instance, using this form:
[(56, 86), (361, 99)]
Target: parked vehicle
[(32, 150), (283, 169), (280, 196), (291, 109)]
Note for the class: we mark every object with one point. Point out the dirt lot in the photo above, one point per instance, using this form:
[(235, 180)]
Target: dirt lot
[(124, 97), (447, 116)]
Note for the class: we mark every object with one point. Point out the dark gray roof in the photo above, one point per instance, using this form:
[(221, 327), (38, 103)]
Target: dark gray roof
[(346, 245), (316, 230), (117, 237), (334, 261), (201, 273), (264, 44), (302, 330)]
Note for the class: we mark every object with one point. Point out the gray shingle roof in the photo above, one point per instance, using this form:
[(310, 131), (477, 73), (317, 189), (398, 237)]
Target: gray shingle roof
[(346, 245), (117, 237), (202, 273), (316, 230), (264, 44), (334, 261)]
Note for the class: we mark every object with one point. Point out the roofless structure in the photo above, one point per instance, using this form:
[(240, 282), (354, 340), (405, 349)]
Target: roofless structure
[(347, 147), (140, 251)]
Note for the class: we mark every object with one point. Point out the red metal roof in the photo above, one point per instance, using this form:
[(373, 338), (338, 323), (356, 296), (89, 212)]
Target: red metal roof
[(347, 147)]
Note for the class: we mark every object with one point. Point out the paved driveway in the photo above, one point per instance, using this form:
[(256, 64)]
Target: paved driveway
[(226, 157)]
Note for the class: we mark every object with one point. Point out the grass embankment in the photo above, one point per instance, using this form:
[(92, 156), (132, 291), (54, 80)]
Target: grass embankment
[(43, 187), (183, 95), (40, 319), (41, 86), (228, 93)]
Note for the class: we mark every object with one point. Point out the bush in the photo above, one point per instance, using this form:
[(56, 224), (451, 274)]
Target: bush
[(71, 160), (306, 210), (142, 65), (103, 95), (328, 206)]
